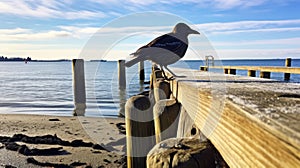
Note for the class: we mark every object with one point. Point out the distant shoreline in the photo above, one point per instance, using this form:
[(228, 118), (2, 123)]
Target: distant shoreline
[(35, 60), (68, 60)]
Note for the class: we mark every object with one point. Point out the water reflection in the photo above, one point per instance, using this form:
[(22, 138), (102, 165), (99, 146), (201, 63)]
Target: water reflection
[(122, 96), (142, 88)]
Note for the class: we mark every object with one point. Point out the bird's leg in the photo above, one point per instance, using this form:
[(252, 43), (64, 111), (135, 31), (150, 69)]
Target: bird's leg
[(166, 77), (173, 74), (170, 71), (162, 69)]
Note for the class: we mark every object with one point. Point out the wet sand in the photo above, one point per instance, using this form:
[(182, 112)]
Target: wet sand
[(52, 141)]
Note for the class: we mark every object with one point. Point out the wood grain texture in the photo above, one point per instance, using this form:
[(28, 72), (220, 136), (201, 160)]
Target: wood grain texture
[(252, 122)]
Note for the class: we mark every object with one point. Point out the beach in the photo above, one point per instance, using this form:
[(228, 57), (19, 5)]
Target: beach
[(59, 141)]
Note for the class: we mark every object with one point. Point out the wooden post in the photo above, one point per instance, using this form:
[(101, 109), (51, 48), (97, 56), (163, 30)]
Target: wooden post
[(142, 71), (139, 130), (161, 90), (232, 71), (152, 76), (265, 74), (166, 111), (288, 63), (166, 118), (226, 71), (122, 74), (79, 87), (156, 74), (251, 73), (203, 68)]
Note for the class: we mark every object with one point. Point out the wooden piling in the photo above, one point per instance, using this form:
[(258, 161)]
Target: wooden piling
[(166, 118), (265, 74), (156, 74), (122, 74), (288, 63), (166, 111), (139, 130), (226, 71), (203, 68), (232, 71), (79, 87), (252, 73), (142, 71), (161, 90)]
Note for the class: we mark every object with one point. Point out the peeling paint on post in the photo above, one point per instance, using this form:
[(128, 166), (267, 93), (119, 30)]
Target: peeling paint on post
[(79, 87)]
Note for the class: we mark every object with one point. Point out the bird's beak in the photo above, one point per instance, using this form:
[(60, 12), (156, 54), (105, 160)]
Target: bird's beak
[(193, 32)]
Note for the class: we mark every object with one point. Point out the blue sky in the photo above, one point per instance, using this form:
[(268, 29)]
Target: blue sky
[(233, 29)]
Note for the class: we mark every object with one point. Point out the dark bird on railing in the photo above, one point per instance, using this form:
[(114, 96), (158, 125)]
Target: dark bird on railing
[(166, 49)]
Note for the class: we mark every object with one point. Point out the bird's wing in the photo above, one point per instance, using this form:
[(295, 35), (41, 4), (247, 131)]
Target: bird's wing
[(167, 42)]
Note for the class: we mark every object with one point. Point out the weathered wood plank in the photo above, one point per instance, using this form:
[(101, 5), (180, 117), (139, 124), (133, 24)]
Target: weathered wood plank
[(252, 122)]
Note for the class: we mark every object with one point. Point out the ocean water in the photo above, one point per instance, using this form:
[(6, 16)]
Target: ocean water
[(46, 87)]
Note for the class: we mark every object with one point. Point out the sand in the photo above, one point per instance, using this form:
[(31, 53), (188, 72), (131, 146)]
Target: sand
[(53, 141)]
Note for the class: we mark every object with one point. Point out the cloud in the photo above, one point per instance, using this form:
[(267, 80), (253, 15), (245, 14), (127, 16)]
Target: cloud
[(215, 4), (13, 31), (81, 32), (71, 9), (39, 51), (229, 4), (249, 26), (258, 53), (285, 41), (134, 36), (20, 34), (209, 29), (258, 30), (46, 9)]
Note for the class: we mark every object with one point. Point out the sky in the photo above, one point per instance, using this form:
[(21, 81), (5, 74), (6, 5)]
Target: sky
[(112, 29)]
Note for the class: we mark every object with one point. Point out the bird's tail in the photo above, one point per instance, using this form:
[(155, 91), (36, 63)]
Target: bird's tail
[(132, 62)]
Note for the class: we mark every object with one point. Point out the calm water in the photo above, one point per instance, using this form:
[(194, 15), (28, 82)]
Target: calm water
[(46, 87)]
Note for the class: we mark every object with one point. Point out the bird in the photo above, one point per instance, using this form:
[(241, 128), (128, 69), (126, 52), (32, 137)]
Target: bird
[(165, 49)]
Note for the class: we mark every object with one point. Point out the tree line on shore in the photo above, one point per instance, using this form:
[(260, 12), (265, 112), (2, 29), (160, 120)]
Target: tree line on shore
[(2, 58), (28, 59)]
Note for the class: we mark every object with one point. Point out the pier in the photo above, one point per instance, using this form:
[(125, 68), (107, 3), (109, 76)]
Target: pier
[(250, 122), (265, 71)]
